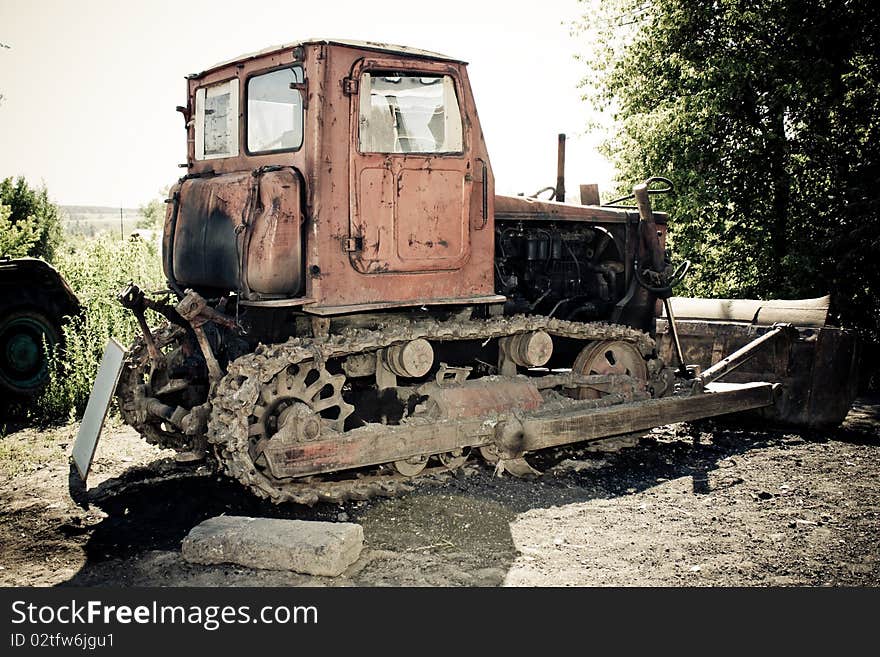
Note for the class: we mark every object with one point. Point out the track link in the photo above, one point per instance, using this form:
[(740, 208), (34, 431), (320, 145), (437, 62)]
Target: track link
[(238, 393)]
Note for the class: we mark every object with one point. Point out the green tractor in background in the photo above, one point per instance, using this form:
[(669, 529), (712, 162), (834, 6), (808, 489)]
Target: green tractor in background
[(34, 302)]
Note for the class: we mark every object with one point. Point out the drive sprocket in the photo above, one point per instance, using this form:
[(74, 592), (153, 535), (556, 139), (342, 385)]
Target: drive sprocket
[(296, 404)]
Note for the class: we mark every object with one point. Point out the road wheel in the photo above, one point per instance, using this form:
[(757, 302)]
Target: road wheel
[(25, 335)]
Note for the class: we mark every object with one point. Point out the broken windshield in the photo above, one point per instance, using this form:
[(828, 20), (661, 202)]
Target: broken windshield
[(409, 114)]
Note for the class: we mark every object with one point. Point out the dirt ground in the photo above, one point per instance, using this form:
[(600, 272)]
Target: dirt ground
[(687, 505)]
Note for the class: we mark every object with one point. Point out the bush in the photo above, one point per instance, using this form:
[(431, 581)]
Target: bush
[(30, 224), (97, 270)]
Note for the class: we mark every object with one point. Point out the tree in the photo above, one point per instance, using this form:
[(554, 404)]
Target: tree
[(3, 46), (153, 213), (16, 239), (766, 114), (30, 223)]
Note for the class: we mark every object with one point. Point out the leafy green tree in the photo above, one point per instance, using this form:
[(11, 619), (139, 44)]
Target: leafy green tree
[(31, 223), (766, 114), (16, 239), (153, 213)]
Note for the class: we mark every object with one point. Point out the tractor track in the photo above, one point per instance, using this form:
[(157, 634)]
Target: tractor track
[(238, 392)]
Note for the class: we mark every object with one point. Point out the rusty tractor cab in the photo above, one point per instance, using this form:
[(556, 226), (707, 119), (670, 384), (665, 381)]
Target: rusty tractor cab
[(350, 305)]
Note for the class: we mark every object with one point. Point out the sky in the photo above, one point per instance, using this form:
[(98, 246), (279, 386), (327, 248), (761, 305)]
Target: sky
[(89, 87)]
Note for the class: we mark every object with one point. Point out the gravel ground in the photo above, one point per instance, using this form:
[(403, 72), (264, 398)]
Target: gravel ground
[(686, 505)]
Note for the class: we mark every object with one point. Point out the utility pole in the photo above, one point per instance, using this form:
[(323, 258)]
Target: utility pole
[(121, 225)]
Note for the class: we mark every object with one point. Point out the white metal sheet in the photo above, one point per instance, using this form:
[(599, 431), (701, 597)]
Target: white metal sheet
[(96, 409)]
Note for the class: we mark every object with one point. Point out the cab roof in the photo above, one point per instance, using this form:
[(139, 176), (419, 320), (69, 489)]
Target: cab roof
[(360, 45)]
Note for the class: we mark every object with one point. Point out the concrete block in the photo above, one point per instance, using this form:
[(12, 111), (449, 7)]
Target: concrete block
[(312, 547)]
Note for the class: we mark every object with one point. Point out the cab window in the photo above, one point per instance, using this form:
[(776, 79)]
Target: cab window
[(217, 121), (275, 111), (408, 114)]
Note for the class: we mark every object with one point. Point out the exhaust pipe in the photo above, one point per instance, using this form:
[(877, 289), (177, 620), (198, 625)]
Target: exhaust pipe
[(559, 193)]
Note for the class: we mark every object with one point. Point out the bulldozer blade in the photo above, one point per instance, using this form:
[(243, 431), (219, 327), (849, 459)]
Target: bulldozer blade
[(818, 367), (96, 410)]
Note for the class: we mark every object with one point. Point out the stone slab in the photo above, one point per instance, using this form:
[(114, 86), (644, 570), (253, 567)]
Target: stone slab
[(311, 547)]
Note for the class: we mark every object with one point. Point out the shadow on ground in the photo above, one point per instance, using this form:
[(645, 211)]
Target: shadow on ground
[(448, 533)]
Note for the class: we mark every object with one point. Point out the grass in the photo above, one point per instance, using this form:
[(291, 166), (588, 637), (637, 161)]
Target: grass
[(97, 269)]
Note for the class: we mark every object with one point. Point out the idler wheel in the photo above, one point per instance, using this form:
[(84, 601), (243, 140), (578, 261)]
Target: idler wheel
[(608, 357)]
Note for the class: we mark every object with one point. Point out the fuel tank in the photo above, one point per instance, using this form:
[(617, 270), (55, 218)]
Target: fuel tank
[(237, 232)]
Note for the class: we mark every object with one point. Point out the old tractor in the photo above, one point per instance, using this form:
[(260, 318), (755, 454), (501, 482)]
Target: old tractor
[(35, 301), (351, 306)]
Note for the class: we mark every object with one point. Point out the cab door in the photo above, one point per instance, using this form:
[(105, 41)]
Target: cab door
[(411, 169)]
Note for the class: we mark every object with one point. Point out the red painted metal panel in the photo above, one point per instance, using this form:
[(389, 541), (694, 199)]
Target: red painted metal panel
[(274, 249), (432, 219), (452, 209)]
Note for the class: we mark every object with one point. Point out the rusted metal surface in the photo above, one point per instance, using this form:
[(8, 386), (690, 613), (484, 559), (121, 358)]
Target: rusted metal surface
[(376, 444), (369, 46), (20, 274), (275, 303), (680, 362), (589, 194), (528, 349), (526, 208), (239, 222), (559, 191), (410, 212), (194, 308), (379, 230), (204, 243), (561, 428), (35, 302), (818, 370), (442, 228), (361, 184), (799, 312), (411, 359), (273, 237), (131, 390), (252, 384), (609, 357), (481, 397), (745, 353), (398, 302), (651, 253), (132, 297)]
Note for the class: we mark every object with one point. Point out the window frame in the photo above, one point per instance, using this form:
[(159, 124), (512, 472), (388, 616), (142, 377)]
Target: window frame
[(407, 72), (246, 111), (199, 127)]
